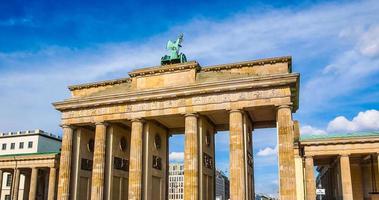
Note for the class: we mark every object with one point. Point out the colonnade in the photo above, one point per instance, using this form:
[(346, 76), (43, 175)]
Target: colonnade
[(32, 182), (241, 159), (342, 178)]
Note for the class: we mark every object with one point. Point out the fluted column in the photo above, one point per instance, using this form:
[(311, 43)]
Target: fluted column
[(310, 179), (52, 180), (1, 181), (135, 168), (347, 188), (97, 188), (33, 184), (191, 155), (237, 173), (287, 179), (65, 163), (16, 183)]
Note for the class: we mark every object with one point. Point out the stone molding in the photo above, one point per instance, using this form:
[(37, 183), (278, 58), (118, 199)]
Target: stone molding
[(100, 83), (284, 59), (184, 66), (166, 93), (164, 69)]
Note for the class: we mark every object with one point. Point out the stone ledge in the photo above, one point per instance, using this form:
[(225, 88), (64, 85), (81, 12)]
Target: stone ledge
[(165, 68)]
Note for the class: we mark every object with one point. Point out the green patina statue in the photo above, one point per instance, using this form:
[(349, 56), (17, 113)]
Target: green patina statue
[(174, 56)]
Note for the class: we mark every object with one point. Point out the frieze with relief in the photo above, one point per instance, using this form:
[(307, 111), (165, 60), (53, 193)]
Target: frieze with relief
[(178, 102)]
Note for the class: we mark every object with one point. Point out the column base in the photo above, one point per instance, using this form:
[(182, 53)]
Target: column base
[(374, 196)]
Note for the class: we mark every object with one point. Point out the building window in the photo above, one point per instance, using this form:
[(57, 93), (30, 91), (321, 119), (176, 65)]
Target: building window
[(4, 146), (7, 197), (13, 145), (30, 145), (21, 145), (9, 180)]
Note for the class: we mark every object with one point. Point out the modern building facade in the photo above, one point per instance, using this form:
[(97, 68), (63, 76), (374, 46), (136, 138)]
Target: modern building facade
[(176, 181), (222, 186), (28, 165)]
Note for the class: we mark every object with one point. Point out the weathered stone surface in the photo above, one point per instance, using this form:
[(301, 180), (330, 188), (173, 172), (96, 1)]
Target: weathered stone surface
[(97, 188), (135, 169), (237, 160), (287, 177), (65, 164), (347, 189), (52, 183), (33, 184), (310, 180), (191, 158)]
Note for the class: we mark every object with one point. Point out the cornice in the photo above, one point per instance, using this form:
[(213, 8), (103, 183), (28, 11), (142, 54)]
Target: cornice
[(251, 63), (166, 93), (165, 68), (334, 141), (100, 83)]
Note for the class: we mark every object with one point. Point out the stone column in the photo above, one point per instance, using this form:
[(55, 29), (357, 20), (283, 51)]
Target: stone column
[(299, 177), (1, 181), (347, 189), (16, 183), (97, 188), (191, 158), (287, 179), (237, 163), (65, 163), (33, 184), (310, 179), (135, 168), (52, 180)]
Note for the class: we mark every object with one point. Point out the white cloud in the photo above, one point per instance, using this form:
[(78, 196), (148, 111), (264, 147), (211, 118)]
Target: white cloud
[(311, 130), (176, 156), (268, 151), (364, 121)]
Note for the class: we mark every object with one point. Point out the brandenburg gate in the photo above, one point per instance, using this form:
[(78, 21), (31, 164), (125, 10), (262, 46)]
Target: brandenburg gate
[(115, 133)]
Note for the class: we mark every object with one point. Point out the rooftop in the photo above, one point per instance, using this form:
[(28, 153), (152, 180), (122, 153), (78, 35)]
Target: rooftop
[(30, 132), (339, 135)]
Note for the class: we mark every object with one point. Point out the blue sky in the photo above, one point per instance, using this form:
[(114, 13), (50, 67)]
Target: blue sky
[(47, 45)]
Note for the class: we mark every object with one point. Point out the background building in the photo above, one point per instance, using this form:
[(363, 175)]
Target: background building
[(30, 155), (176, 181), (222, 186)]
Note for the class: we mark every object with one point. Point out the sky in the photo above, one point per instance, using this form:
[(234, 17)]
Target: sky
[(46, 45)]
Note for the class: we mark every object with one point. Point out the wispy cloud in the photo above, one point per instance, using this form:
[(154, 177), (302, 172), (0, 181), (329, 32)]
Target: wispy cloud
[(268, 151), (176, 157), (364, 121)]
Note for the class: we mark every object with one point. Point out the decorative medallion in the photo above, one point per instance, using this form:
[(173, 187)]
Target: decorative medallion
[(91, 145), (157, 141), (123, 144)]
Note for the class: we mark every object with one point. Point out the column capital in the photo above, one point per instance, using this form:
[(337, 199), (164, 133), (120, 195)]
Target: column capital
[(102, 123), (344, 154), (67, 126), (138, 120), (191, 114), (284, 106), (236, 110)]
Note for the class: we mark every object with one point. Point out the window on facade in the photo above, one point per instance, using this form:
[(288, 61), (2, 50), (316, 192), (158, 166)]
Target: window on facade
[(21, 145), (9, 180), (30, 145), (13, 145), (4, 146), (7, 197)]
